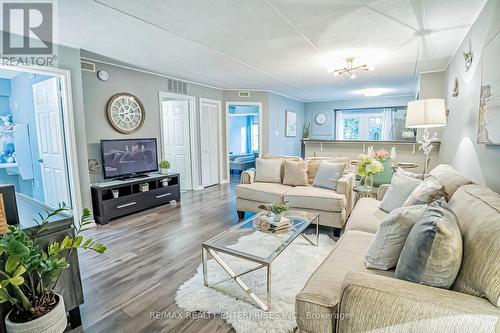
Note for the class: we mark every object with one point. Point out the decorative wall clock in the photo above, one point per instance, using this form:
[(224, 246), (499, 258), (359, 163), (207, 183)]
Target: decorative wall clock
[(125, 113), (321, 118)]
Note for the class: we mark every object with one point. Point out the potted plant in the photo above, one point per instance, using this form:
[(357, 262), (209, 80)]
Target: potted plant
[(367, 166), (305, 134), (164, 166), (29, 275), (278, 209)]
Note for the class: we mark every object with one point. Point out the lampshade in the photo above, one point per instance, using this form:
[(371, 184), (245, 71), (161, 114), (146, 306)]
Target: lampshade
[(426, 113)]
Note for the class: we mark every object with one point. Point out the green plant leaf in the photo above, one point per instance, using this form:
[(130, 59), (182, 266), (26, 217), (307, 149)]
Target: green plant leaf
[(16, 280), (78, 240), (11, 264), (4, 283), (20, 270), (66, 243)]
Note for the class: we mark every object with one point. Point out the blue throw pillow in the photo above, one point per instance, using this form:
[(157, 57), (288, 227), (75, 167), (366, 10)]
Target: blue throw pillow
[(328, 174)]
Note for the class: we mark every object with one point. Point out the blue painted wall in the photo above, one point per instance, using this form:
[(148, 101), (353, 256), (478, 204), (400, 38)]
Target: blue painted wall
[(21, 104)]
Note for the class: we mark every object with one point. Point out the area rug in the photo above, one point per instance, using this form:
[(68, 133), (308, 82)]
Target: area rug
[(289, 273)]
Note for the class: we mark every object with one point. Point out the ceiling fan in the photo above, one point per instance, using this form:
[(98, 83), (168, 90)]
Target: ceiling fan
[(350, 69)]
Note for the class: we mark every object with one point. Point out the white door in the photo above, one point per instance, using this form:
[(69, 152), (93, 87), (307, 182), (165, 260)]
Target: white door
[(176, 139), (50, 137), (209, 132)]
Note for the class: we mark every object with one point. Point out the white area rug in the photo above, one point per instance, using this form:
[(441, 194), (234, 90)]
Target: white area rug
[(290, 272)]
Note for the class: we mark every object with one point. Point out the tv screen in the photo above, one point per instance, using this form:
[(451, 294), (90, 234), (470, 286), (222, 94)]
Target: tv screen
[(128, 157)]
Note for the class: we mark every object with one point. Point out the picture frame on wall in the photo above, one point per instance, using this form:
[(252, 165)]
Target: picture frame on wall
[(290, 123), (488, 131)]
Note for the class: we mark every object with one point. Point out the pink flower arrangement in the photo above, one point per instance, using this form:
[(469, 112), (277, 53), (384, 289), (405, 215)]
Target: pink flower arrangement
[(381, 155)]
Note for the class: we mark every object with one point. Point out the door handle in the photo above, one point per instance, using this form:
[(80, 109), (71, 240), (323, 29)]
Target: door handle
[(126, 205), (163, 195), (40, 160)]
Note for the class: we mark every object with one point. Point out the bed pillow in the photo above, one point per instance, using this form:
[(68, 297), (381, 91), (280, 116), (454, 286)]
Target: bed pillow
[(432, 253), (426, 192), (268, 170), (398, 192), (295, 173), (328, 174), (383, 252)]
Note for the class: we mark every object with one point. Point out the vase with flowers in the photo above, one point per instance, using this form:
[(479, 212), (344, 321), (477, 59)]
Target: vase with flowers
[(367, 167), (385, 176)]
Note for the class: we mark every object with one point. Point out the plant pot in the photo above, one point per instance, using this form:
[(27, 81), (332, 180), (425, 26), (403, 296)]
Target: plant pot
[(53, 322), (368, 182), (277, 218), (164, 171)]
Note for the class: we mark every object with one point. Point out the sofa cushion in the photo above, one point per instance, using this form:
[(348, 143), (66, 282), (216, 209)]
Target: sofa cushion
[(366, 216), (426, 192), (314, 163), (478, 212), (390, 238), (432, 253), (262, 192), (295, 173), (450, 179), (268, 171), (322, 290), (328, 174), (399, 191), (315, 198), (282, 158)]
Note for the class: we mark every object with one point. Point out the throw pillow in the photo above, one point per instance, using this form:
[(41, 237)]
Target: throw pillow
[(314, 163), (398, 192), (268, 170), (383, 252), (432, 253), (295, 173), (450, 179), (426, 192), (283, 158), (401, 171), (328, 174)]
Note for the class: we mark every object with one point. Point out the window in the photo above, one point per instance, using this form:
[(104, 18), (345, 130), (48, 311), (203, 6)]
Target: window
[(255, 137), (243, 139), (367, 124)]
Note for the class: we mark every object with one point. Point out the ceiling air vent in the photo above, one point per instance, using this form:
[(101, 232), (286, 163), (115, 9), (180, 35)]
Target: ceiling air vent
[(177, 87), (244, 93), (87, 66)]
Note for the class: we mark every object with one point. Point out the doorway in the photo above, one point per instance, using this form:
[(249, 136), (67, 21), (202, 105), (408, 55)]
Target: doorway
[(177, 142), (243, 135), (37, 137)]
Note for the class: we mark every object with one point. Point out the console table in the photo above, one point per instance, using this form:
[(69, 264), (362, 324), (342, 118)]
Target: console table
[(161, 189)]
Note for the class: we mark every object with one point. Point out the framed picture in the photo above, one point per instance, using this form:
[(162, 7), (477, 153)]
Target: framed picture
[(488, 130), (290, 123)]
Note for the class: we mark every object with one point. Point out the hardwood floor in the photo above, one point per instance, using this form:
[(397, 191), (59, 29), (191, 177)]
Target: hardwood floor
[(149, 255)]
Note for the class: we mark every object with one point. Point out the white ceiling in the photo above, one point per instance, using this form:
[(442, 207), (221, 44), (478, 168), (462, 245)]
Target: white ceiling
[(283, 46)]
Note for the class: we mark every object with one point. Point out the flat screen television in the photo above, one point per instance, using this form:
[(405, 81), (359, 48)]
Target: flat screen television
[(124, 158)]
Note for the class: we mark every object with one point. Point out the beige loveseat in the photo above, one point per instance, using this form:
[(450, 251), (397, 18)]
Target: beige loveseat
[(344, 296), (333, 206)]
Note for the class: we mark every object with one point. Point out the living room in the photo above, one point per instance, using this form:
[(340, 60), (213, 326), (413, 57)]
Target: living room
[(250, 166)]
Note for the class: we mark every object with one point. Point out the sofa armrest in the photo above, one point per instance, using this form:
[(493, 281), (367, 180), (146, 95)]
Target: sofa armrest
[(381, 191), (247, 176), (345, 186), (372, 303)]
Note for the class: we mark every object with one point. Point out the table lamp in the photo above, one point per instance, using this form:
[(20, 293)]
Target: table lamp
[(426, 113)]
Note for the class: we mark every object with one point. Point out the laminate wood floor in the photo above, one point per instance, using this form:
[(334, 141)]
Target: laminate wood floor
[(150, 254)]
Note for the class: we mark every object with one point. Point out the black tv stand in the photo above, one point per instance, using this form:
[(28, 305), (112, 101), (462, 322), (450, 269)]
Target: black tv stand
[(132, 177), (163, 189)]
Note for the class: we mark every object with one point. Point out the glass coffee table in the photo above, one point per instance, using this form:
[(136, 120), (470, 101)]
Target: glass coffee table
[(261, 256)]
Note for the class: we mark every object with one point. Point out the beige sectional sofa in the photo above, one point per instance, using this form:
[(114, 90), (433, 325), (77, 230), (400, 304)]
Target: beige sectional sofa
[(344, 296), (333, 206)]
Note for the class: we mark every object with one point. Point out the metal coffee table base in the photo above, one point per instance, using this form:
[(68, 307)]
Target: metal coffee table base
[(212, 251)]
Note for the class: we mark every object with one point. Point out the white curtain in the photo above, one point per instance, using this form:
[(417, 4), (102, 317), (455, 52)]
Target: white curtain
[(339, 126), (388, 124)]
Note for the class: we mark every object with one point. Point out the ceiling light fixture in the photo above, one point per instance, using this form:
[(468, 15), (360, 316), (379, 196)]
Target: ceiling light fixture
[(350, 68)]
